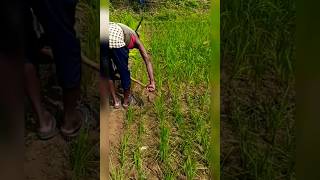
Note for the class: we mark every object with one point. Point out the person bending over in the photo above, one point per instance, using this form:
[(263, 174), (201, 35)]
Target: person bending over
[(121, 40)]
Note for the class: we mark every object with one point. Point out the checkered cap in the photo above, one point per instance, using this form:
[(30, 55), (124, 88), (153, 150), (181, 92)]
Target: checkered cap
[(116, 36)]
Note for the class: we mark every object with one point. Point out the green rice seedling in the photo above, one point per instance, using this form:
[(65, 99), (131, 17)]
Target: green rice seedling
[(189, 164), (169, 175), (180, 53), (138, 163), (123, 150), (141, 128), (159, 108), (116, 174), (189, 167), (205, 143), (178, 64), (176, 107), (205, 102), (164, 143), (178, 115), (130, 115), (81, 155), (189, 66), (186, 144)]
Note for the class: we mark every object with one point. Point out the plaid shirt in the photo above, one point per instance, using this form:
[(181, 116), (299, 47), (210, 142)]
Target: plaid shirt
[(116, 36)]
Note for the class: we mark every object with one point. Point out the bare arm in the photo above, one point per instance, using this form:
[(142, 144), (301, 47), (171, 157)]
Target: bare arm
[(147, 61)]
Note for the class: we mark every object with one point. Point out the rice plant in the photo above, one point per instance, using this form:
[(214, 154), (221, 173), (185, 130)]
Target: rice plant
[(178, 41), (81, 155), (123, 149), (257, 48)]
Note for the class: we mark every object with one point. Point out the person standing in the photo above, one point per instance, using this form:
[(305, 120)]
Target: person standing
[(57, 18)]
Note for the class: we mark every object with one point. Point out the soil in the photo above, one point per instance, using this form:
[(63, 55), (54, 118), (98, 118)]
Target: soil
[(115, 128), (39, 164), (142, 103), (49, 160), (115, 123)]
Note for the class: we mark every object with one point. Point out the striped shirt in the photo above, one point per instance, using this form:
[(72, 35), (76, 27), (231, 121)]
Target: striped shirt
[(116, 36)]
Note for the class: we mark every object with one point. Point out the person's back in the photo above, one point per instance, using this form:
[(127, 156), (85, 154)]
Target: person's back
[(129, 35)]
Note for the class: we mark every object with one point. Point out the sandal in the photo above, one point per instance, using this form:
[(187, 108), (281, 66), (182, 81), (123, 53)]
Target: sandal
[(50, 134), (76, 131)]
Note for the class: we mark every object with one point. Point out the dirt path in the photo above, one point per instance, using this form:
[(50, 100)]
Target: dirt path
[(115, 123), (46, 159), (115, 131)]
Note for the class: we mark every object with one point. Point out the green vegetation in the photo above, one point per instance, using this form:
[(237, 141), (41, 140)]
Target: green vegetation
[(83, 149), (257, 44), (169, 137), (82, 156), (87, 27)]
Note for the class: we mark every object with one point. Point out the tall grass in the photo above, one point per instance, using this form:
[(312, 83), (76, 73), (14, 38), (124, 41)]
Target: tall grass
[(258, 61)]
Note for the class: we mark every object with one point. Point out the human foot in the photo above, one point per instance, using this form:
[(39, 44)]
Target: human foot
[(47, 126), (126, 102), (127, 98), (72, 123), (117, 104)]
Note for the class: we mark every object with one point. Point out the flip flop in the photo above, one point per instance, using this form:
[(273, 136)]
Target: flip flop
[(76, 131), (117, 105), (53, 131)]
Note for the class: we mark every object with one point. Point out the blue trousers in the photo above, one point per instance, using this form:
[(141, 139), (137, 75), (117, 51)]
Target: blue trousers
[(119, 57)]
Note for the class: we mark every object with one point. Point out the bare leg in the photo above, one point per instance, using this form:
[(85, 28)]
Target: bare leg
[(72, 116), (33, 91), (126, 100), (113, 94)]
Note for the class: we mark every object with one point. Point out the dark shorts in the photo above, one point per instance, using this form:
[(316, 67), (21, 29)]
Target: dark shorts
[(117, 60), (32, 42), (58, 18)]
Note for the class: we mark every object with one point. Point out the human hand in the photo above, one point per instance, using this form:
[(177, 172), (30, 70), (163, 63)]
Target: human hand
[(151, 87)]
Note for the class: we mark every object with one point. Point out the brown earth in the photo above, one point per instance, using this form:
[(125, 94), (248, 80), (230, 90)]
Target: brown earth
[(142, 106), (115, 126), (50, 160), (46, 159), (115, 131)]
